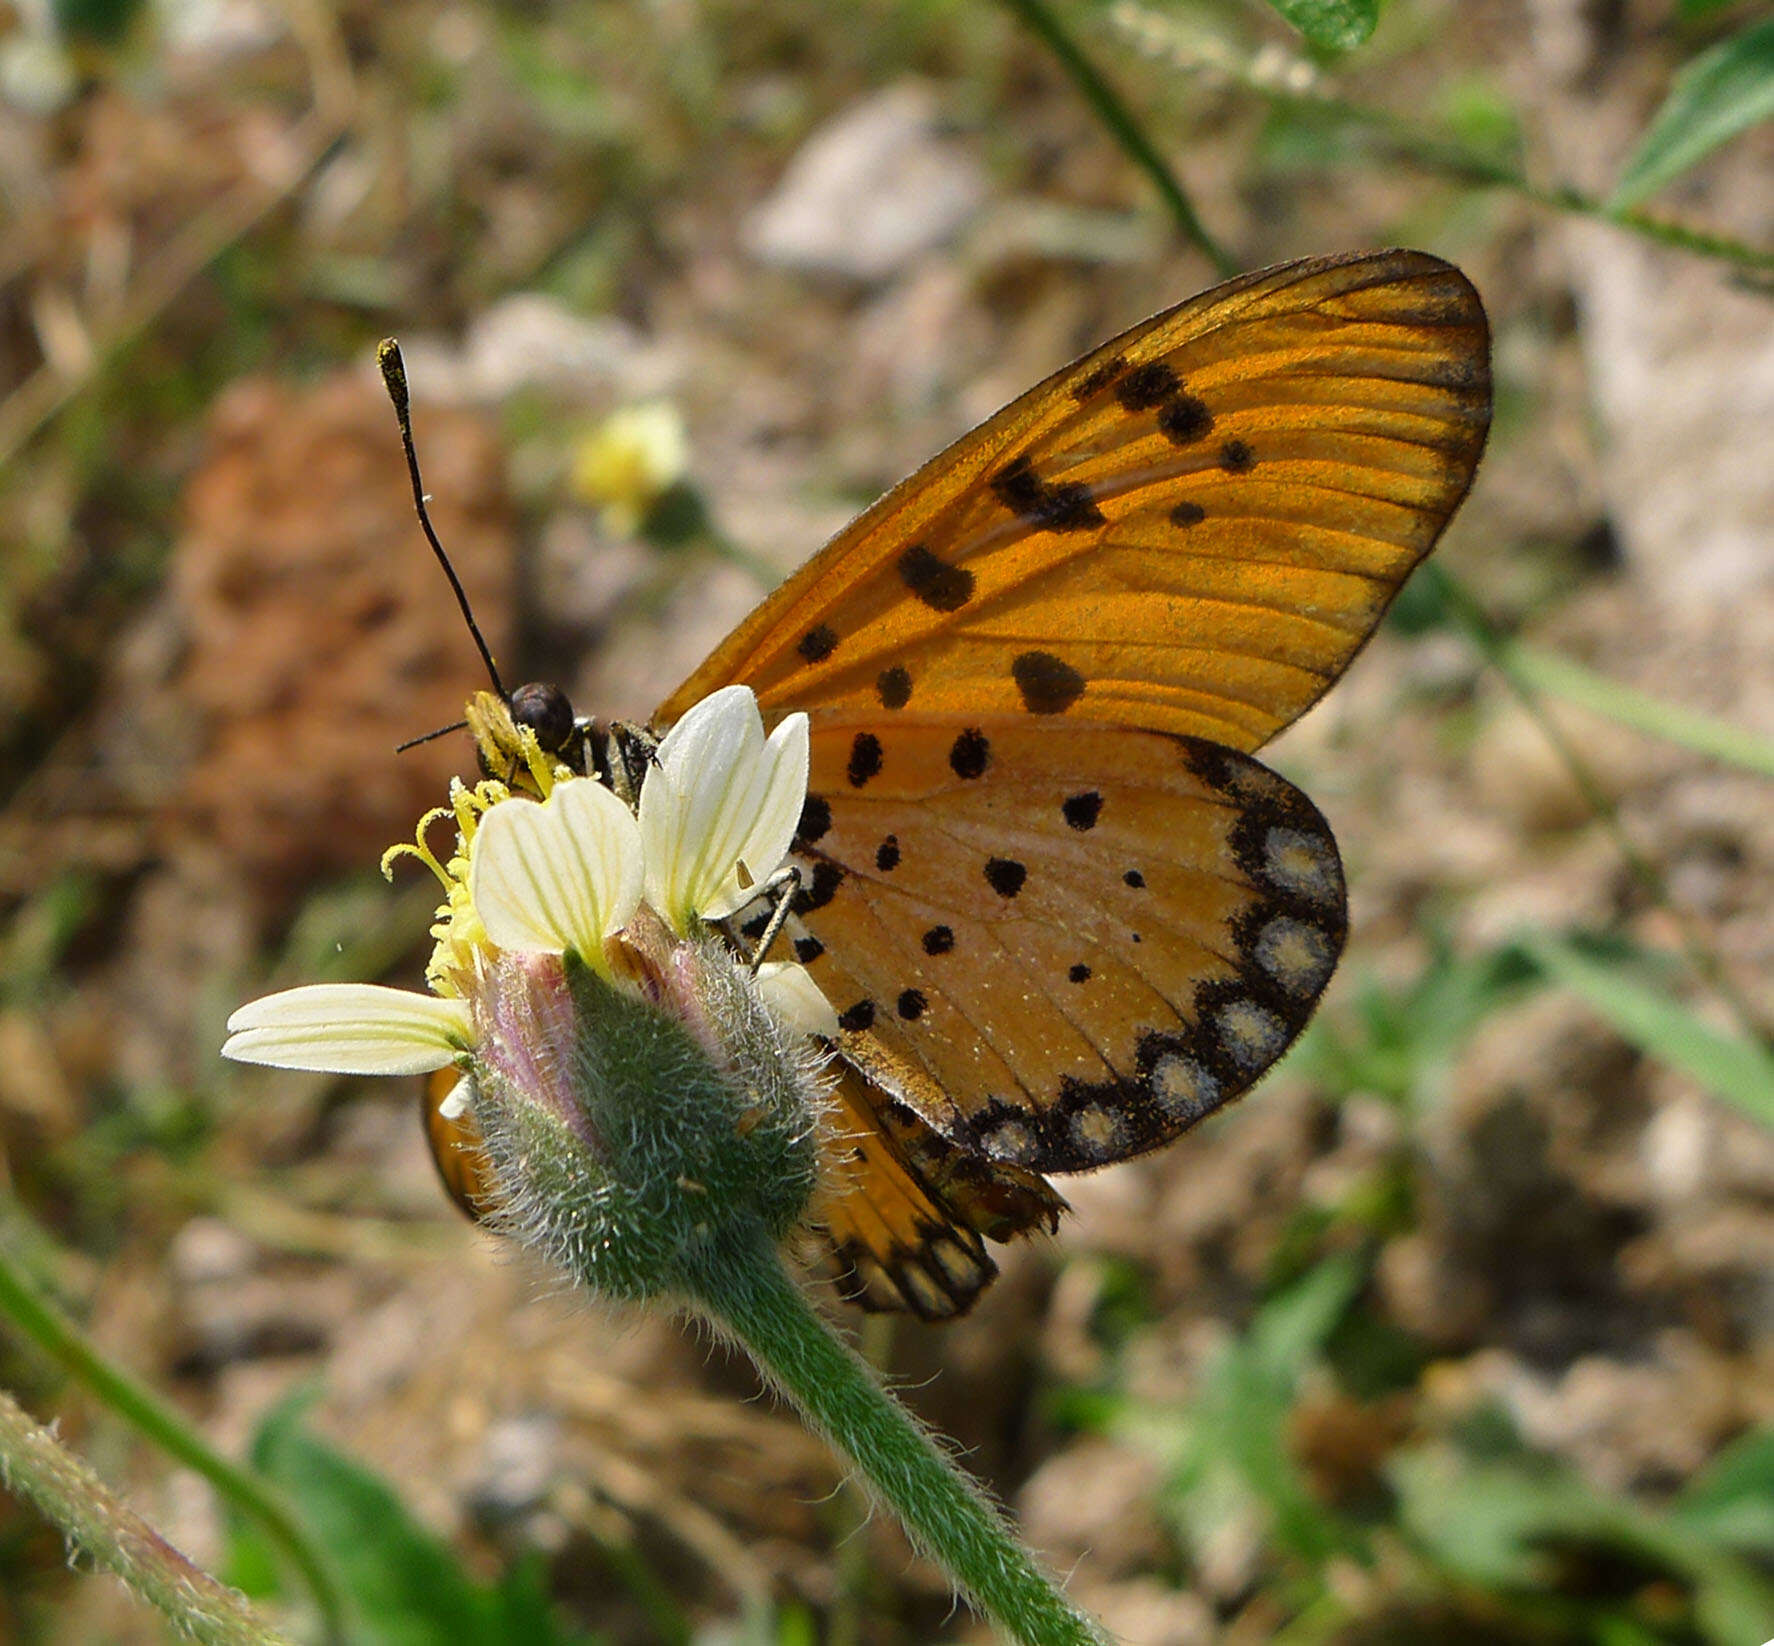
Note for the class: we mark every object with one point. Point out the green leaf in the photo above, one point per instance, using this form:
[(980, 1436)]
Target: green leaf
[(1718, 739), (1729, 1066), (1722, 92), (1227, 1450), (404, 1584), (1691, 10), (1291, 1328), (1509, 1526), (1731, 1501), (1334, 25)]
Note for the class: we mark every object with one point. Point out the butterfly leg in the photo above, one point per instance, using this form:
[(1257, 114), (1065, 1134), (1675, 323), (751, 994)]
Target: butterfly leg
[(780, 891)]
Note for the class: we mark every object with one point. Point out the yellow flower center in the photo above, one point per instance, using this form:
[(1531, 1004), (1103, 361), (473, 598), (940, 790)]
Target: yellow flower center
[(461, 941)]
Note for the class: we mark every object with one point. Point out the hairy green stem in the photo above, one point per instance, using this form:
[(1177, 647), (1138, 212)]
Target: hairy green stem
[(58, 1337), (1124, 126), (750, 1296), (1388, 137), (36, 1467)]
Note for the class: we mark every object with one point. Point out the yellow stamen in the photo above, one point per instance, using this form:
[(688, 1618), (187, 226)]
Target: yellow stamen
[(419, 848)]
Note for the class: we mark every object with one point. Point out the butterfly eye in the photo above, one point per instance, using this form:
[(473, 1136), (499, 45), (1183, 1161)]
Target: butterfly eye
[(546, 711)]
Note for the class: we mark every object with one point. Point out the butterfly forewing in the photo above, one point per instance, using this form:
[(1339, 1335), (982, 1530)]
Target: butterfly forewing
[(1192, 529), (1086, 938)]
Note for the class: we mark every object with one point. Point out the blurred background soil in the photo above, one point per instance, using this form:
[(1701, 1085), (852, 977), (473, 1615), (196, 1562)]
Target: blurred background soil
[(833, 239)]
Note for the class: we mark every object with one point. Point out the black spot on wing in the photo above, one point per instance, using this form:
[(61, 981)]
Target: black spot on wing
[(1094, 382), (1082, 810), (1079, 973), (1236, 457), (1185, 420), (1134, 878), (894, 687), (1066, 506), (887, 854), (1146, 386), (1187, 514), (816, 820), (938, 940), (970, 754), (934, 581), (865, 759), (1005, 875), (854, 1019), (910, 1005), (816, 645), (1049, 684), (808, 950), (820, 889)]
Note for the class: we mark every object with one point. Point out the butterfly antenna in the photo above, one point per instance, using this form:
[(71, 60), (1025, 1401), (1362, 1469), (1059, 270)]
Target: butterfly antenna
[(430, 737), (394, 378)]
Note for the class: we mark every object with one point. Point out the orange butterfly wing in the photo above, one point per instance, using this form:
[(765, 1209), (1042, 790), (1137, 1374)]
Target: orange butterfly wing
[(456, 1148), (1086, 938), (902, 1210), (1193, 528), (1041, 871)]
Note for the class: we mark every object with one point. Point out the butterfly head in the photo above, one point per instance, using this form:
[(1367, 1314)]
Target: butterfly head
[(538, 719), (547, 711)]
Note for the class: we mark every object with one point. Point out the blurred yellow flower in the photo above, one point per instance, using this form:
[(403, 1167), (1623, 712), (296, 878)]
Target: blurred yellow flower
[(629, 461)]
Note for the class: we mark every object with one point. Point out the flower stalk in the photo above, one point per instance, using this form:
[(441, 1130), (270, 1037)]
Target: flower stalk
[(749, 1296), (52, 1332), (38, 1468)]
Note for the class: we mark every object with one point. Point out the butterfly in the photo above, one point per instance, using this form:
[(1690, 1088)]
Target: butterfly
[(1062, 912)]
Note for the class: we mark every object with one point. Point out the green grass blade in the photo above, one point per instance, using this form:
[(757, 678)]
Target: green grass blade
[(1560, 677), (406, 1584), (1732, 1067), (1333, 25), (1722, 92)]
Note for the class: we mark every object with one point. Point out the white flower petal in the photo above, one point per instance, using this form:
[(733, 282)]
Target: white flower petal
[(564, 874), (682, 800), (771, 813), (349, 1028), (719, 796), (789, 991)]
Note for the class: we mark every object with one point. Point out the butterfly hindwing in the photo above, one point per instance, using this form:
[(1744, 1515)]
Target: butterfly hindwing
[(1191, 529), (901, 1209), (1083, 938)]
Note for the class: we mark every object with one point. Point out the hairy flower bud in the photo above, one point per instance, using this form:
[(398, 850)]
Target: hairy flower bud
[(647, 1094), (636, 1133)]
